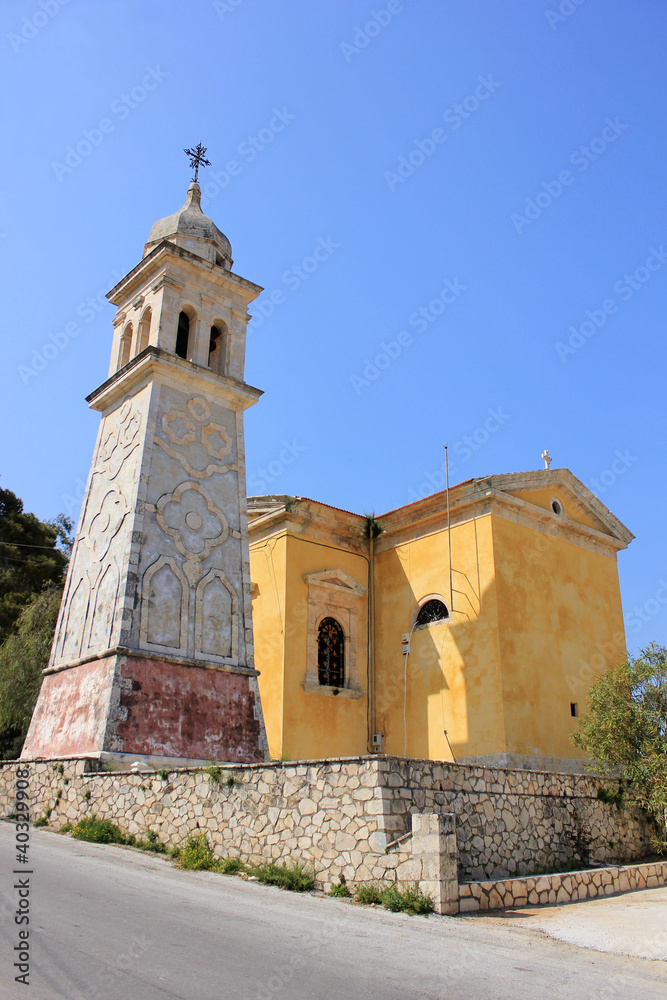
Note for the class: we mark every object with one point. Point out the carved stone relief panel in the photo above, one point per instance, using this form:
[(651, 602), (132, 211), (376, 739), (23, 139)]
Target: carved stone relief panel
[(216, 619), (165, 606), (73, 617), (191, 519), (103, 536), (103, 609), (192, 436)]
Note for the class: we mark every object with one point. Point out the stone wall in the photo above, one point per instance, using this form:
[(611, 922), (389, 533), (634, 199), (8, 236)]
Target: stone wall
[(567, 888), (350, 816), (514, 822)]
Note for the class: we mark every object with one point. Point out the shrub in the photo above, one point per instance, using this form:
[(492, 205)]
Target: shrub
[(197, 855), (410, 900), (214, 772), (369, 893), (612, 796), (230, 781), (230, 866), (65, 828), (293, 876), (99, 831), (42, 821), (86, 795), (162, 772), (338, 889)]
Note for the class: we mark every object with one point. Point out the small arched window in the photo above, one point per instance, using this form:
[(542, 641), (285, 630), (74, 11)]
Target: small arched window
[(431, 612), (144, 331), (331, 653), (215, 349), (182, 335), (125, 346)]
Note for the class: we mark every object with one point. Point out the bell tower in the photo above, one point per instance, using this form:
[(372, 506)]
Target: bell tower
[(153, 651)]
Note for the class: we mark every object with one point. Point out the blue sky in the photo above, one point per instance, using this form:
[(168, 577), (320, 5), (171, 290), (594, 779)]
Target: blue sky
[(484, 182)]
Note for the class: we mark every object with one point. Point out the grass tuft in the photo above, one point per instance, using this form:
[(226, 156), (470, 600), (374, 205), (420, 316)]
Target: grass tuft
[(230, 866), (410, 900), (151, 842), (369, 893), (293, 876), (197, 855), (338, 889)]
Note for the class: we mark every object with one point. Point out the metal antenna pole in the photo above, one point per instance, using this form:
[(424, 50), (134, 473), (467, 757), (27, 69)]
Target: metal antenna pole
[(449, 537)]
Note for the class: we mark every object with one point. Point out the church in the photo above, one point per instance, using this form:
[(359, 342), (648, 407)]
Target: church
[(198, 624), (466, 626)]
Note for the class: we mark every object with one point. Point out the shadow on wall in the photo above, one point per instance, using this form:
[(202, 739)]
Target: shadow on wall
[(450, 681)]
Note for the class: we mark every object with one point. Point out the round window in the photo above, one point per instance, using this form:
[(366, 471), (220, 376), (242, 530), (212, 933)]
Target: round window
[(556, 507)]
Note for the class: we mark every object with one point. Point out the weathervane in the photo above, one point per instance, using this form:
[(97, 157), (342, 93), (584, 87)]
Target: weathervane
[(197, 159)]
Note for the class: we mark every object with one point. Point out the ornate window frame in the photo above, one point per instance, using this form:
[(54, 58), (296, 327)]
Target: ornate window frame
[(333, 594)]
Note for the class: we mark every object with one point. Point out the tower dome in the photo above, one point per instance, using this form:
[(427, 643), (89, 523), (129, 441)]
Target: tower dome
[(191, 229)]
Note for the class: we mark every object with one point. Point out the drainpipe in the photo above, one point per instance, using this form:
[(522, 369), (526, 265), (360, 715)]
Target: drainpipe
[(371, 644)]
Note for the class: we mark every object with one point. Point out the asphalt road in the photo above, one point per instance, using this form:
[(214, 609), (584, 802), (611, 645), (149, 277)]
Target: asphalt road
[(111, 923)]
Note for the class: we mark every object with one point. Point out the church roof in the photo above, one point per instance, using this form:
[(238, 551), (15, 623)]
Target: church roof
[(190, 223), (515, 491)]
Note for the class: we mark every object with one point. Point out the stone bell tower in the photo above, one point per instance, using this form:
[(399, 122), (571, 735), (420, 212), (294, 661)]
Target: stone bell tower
[(153, 651)]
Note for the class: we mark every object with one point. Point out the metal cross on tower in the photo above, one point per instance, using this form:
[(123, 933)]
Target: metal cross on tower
[(197, 159)]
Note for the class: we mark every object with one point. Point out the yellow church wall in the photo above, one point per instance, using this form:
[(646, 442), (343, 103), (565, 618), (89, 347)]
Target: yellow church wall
[(453, 679), (560, 625), (320, 725), (267, 572)]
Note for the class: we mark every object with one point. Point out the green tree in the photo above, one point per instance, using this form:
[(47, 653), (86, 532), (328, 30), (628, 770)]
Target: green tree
[(33, 555), (23, 657), (624, 731)]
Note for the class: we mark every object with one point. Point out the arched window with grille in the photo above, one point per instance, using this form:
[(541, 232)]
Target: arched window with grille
[(331, 654), (431, 612)]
